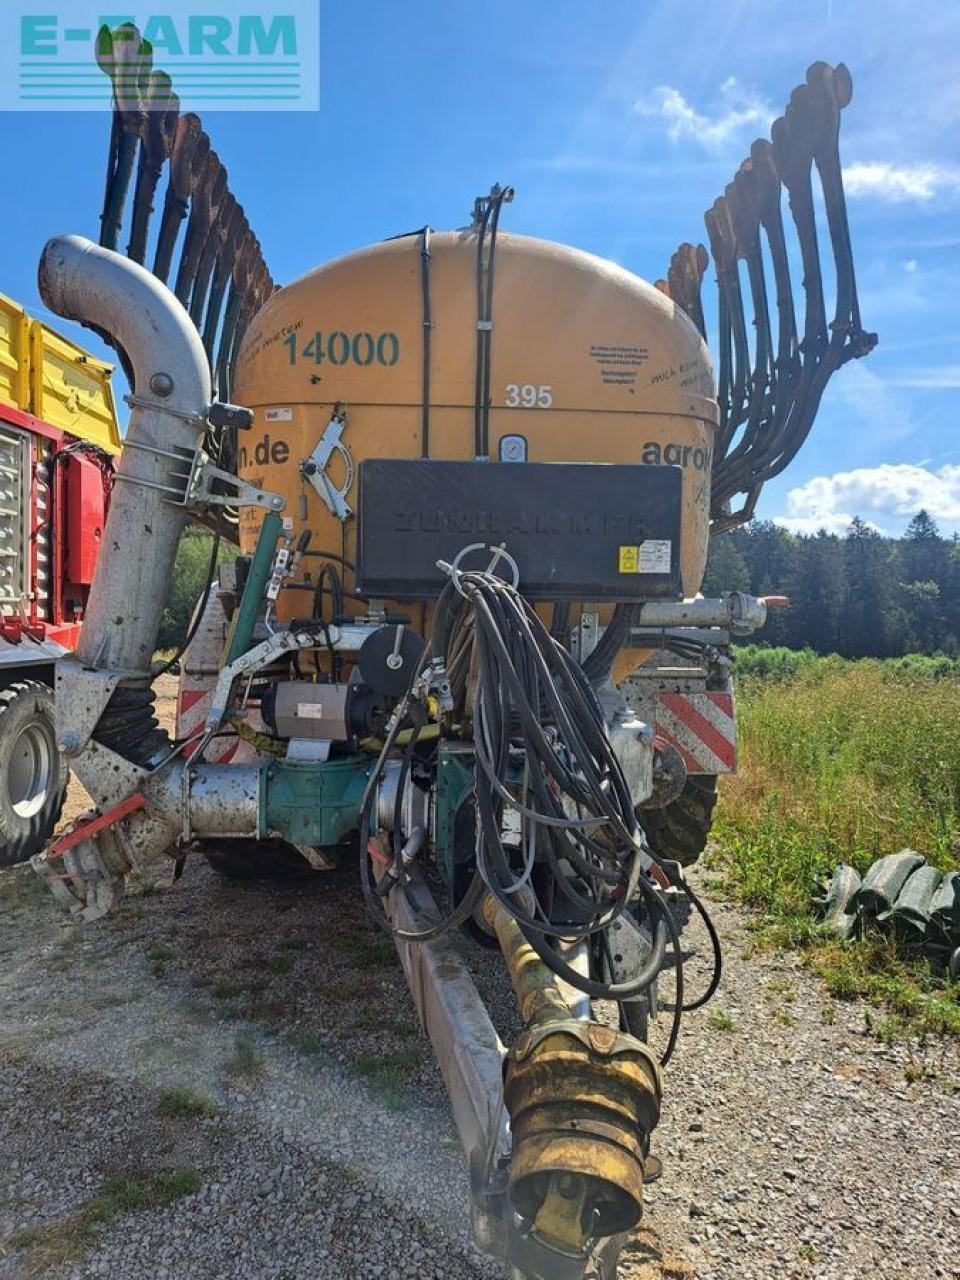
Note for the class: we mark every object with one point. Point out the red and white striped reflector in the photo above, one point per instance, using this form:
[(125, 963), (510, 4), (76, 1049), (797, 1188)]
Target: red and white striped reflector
[(193, 704), (703, 728)]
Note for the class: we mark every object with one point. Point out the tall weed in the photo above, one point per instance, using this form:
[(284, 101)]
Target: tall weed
[(843, 761)]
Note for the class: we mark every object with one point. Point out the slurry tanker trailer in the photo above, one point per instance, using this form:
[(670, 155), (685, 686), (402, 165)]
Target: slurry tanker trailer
[(473, 477)]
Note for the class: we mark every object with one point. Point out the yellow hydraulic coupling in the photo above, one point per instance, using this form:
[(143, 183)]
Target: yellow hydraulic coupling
[(583, 1099)]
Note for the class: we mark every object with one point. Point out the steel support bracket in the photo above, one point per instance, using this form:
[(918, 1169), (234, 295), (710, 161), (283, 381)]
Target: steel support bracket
[(314, 468), (191, 477), (108, 777), (204, 475), (261, 655), (82, 695)]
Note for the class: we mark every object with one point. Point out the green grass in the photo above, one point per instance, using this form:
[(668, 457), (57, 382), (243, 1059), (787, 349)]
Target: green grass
[(721, 1021), (312, 1044), (185, 1104), (69, 1237), (158, 957), (779, 663), (374, 951), (245, 1060), (227, 990), (844, 762), (917, 1001), (400, 1028), (22, 887), (389, 1074)]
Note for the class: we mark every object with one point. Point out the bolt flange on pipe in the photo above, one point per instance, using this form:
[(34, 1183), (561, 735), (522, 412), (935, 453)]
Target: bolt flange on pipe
[(583, 1100)]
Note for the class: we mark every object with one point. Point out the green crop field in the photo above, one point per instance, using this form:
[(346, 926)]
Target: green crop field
[(842, 761)]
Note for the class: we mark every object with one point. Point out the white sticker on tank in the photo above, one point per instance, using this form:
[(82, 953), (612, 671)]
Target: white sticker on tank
[(654, 556), (309, 710), (278, 415)]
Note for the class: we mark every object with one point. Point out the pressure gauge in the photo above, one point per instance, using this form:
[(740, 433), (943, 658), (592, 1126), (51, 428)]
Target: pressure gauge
[(513, 448)]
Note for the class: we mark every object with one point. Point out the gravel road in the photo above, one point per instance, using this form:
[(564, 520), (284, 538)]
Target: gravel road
[(260, 1044)]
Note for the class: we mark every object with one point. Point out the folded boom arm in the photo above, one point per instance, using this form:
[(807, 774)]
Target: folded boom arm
[(769, 388)]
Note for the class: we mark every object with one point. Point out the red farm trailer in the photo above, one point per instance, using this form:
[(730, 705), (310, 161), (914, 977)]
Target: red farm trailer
[(59, 437)]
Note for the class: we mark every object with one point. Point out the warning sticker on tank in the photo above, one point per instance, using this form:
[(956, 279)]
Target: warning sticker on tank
[(618, 365), (278, 415), (629, 559), (651, 556)]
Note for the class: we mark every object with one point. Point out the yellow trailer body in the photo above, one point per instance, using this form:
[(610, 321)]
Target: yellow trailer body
[(46, 375)]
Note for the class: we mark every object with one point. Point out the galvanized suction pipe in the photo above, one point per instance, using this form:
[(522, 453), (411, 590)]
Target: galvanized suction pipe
[(101, 289), (169, 407), (736, 610)]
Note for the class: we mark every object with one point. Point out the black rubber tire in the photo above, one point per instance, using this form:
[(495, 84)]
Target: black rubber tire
[(269, 860), (679, 832), (33, 773)]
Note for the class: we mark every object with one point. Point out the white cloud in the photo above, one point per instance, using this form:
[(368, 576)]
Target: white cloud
[(871, 398), (897, 183), (737, 108), (944, 377), (887, 496)]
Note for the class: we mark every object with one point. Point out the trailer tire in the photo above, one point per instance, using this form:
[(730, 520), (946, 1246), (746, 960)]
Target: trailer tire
[(33, 773), (679, 832)]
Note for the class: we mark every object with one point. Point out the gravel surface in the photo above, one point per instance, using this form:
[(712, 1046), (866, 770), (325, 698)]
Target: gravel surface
[(794, 1144)]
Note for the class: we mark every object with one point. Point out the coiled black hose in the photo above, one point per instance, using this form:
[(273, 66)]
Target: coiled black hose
[(535, 710), (533, 703)]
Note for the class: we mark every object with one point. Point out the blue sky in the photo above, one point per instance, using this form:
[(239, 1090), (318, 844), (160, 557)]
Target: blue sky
[(618, 123)]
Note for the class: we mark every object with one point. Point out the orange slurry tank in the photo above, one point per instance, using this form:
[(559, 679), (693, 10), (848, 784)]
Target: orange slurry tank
[(589, 363)]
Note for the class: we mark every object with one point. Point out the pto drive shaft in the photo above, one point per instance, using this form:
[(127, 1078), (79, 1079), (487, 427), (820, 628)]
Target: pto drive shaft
[(583, 1099)]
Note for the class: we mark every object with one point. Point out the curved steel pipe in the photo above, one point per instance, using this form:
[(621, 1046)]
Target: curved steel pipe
[(102, 289)]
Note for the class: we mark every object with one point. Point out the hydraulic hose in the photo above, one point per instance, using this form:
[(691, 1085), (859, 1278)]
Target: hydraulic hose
[(533, 702), (427, 333), (597, 665), (478, 445), (486, 260)]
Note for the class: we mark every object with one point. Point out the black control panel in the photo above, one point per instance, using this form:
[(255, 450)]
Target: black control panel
[(576, 531)]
